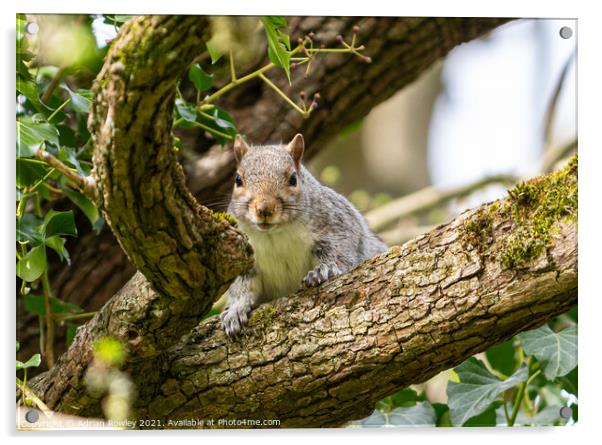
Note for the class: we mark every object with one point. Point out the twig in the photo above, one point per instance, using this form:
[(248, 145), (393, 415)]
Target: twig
[(258, 73), (84, 184), (400, 235), (67, 317), (304, 113), (232, 70), (426, 199), (555, 154), (49, 346), (552, 105), (53, 84), (29, 394)]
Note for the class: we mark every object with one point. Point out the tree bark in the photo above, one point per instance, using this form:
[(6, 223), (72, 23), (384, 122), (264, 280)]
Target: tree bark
[(326, 355)]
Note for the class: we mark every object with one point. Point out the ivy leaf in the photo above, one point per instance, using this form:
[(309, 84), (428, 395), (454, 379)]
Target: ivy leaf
[(201, 80), (69, 156), (79, 103), (224, 121), (57, 244), (277, 46), (71, 331), (27, 229), (35, 304), (29, 171), (59, 223), (28, 89), (214, 53), (117, 19), (86, 206), (477, 389), (421, 414), (556, 351), (186, 110), (31, 134), (33, 264), (33, 362)]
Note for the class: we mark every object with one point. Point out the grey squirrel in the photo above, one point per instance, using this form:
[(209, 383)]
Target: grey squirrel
[(301, 231)]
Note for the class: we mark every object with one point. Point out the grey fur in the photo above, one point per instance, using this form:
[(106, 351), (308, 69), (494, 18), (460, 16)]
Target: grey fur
[(319, 234)]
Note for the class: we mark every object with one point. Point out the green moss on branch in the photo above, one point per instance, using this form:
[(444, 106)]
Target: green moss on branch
[(536, 206)]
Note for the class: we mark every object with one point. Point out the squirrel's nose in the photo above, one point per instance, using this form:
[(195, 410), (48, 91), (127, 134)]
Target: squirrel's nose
[(265, 209)]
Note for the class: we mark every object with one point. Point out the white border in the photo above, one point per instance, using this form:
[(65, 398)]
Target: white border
[(590, 101)]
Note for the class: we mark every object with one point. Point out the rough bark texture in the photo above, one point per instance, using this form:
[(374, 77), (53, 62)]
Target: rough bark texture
[(325, 356)]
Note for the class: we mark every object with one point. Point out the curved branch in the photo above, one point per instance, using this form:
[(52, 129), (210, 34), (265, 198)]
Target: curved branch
[(188, 253), (324, 356)]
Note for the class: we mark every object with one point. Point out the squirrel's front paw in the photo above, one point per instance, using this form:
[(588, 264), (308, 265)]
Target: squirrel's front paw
[(321, 273), (234, 318)]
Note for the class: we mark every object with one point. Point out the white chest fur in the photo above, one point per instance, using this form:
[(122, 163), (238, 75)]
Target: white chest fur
[(282, 259)]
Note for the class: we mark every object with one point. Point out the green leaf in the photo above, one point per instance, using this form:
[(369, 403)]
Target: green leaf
[(502, 357), (84, 204), (30, 136), (70, 156), (186, 110), (421, 414), (277, 46), (224, 121), (201, 80), (486, 418), (405, 397), (214, 53), (33, 264), (117, 19), (18, 345), (59, 223), (33, 362), (79, 103), (29, 171), (375, 420), (57, 244), (477, 389), (71, 331), (556, 351), (442, 411), (28, 229), (35, 304), (28, 89)]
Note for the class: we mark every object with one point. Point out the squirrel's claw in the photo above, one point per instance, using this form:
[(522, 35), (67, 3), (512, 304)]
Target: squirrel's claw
[(321, 273), (234, 319)]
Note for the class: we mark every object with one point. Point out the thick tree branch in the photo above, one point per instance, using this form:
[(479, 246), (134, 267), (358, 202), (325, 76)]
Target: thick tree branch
[(189, 253), (326, 355)]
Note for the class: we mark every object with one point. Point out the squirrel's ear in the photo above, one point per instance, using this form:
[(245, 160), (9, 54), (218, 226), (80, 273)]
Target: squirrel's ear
[(240, 148), (296, 147)]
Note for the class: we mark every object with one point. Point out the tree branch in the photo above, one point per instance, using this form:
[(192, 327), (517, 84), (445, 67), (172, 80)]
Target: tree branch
[(326, 355)]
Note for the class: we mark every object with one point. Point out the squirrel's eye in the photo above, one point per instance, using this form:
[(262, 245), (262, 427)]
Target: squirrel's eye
[(238, 180), (292, 181)]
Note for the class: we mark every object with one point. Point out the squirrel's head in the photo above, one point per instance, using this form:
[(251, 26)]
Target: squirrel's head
[(268, 183)]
